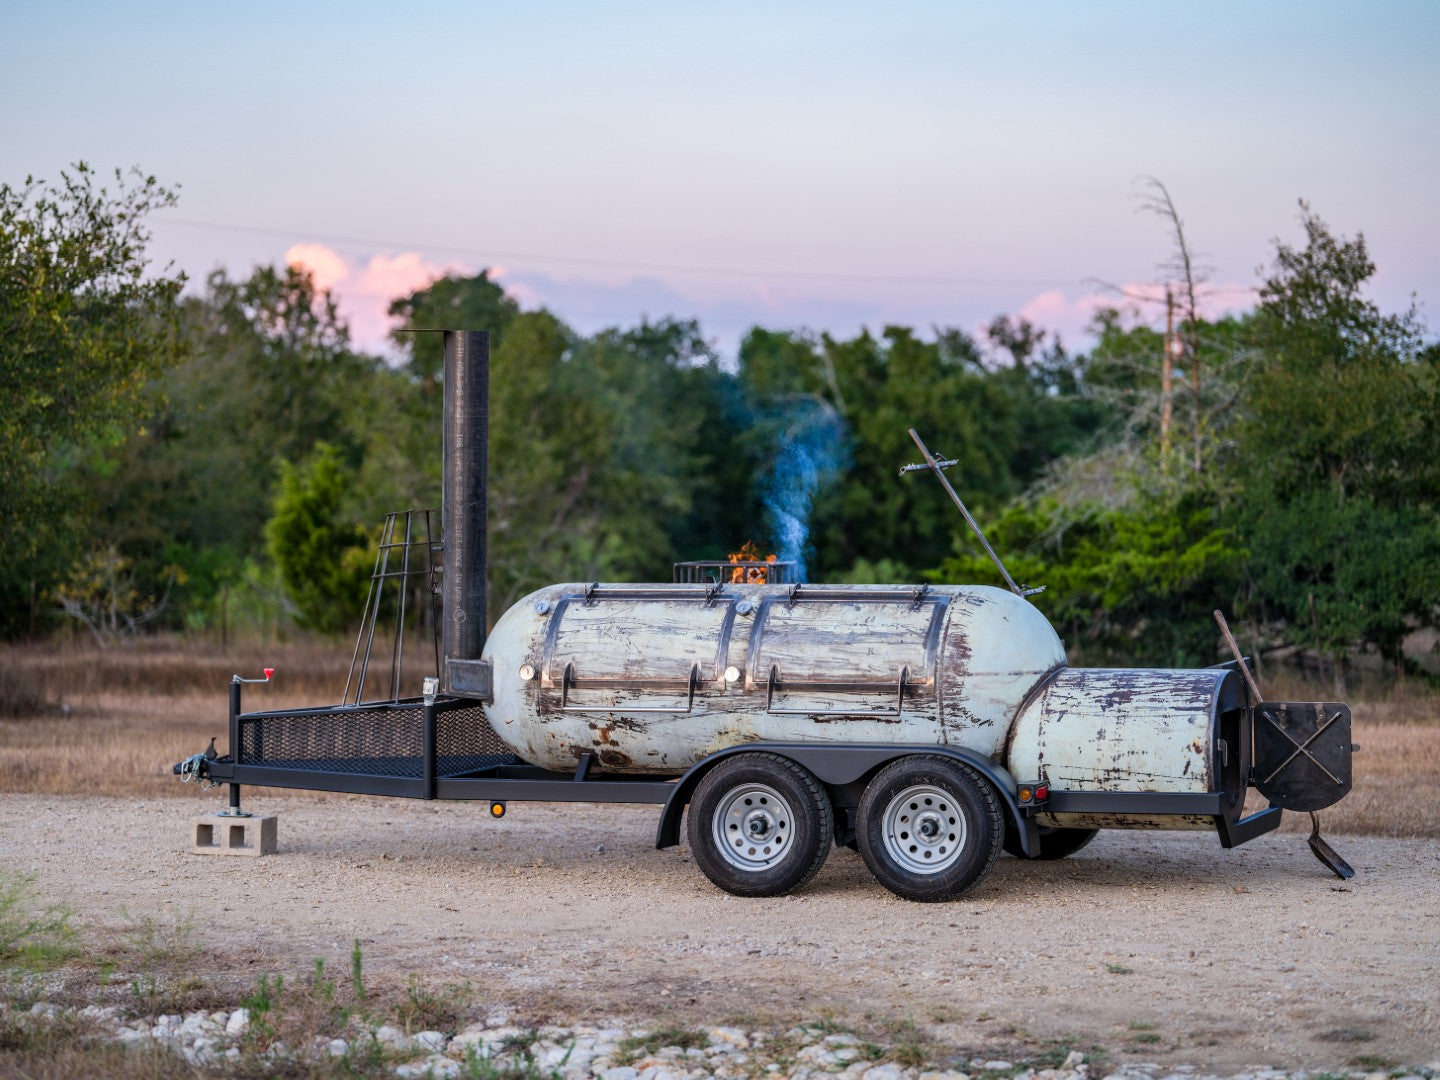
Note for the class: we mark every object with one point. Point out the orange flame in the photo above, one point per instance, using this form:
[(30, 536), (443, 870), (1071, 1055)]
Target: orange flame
[(746, 571)]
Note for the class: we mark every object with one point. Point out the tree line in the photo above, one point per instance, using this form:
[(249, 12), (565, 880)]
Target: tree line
[(222, 457)]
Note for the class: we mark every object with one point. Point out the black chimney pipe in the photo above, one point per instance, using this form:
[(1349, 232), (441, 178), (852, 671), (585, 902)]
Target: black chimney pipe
[(462, 511)]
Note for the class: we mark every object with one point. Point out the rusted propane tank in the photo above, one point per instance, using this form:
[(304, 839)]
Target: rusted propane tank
[(653, 678)]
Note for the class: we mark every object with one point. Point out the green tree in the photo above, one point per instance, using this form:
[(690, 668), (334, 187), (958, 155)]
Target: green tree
[(324, 560), (268, 373), (1004, 422), (1339, 459), (1130, 585), (453, 302), (83, 325)]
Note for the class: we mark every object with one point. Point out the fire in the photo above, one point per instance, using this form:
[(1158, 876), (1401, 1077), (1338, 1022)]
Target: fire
[(750, 566)]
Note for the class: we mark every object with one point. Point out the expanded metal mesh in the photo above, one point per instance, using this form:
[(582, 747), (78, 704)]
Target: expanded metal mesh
[(378, 740), (465, 742)]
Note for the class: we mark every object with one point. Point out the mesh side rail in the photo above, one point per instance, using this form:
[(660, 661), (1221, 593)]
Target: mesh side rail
[(465, 742), (385, 740)]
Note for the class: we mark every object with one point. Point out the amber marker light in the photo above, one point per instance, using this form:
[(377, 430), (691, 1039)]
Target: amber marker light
[(497, 809), (1025, 794)]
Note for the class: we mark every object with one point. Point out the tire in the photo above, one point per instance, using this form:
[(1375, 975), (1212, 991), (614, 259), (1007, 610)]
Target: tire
[(1055, 843), (759, 825), (930, 827)]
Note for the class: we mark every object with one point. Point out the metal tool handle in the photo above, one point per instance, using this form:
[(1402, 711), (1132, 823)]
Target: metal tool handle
[(900, 684), (938, 468), (1239, 660), (568, 679)]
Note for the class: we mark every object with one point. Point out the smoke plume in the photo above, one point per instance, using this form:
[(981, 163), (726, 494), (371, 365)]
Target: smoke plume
[(812, 449)]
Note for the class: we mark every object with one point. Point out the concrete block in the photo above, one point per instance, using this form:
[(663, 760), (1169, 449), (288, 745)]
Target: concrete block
[(215, 834)]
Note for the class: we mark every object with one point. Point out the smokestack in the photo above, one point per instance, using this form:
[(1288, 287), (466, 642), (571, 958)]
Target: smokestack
[(462, 510)]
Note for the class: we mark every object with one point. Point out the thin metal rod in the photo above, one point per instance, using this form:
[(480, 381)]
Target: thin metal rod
[(355, 656), (386, 543), (434, 592), (397, 663), (1239, 660), (974, 526)]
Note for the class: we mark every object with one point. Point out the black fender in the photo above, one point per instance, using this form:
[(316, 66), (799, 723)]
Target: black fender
[(836, 766)]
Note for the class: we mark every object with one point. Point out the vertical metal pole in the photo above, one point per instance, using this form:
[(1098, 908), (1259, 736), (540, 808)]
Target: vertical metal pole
[(434, 612), (235, 743), (463, 518), (427, 758)]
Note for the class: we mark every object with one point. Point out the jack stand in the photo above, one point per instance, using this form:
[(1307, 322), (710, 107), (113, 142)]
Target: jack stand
[(234, 810)]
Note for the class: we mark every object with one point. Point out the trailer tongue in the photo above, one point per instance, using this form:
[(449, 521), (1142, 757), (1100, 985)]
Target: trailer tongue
[(927, 726)]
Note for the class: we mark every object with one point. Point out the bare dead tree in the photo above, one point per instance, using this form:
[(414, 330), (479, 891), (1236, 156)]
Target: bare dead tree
[(1186, 274)]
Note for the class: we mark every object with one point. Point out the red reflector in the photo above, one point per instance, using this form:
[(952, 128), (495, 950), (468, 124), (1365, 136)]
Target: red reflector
[(268, 672), (1042, 792)]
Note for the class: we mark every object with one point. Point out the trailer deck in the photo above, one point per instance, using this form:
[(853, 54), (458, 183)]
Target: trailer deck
[(410, 748)]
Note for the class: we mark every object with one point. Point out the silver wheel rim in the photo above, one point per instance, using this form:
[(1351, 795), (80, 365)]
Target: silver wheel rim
[(924, 829), (752, 827)]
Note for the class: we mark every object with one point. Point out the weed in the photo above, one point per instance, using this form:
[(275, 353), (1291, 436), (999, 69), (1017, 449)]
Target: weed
[(321, 987), (524, 1067), (427, 1010), (1371, 1062), (1057, 1050), (66, 1046), (1119, 969), (357, 971), (156, 945), (634, 1047), (911, 1050), (825, 1025), (871, 1052), (910, 1055), (263, 1000), (38, 940)]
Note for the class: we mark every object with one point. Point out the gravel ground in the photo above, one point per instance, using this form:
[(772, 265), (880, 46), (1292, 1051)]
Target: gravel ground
[(1158, 947)]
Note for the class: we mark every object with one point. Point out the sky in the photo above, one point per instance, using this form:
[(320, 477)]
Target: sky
[(823, 166)]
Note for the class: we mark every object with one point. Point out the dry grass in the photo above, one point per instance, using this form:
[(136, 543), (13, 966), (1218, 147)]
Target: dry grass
[(77, 719)]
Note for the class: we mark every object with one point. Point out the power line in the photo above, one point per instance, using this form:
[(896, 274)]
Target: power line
[(610, 264)]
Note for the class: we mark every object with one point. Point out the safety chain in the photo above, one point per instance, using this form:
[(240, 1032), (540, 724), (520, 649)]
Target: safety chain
[(192, 769)]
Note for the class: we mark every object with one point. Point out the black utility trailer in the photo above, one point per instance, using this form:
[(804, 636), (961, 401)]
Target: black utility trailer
[(927, 726)]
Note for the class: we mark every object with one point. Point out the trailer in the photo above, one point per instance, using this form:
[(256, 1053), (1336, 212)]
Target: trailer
[(930, 727)]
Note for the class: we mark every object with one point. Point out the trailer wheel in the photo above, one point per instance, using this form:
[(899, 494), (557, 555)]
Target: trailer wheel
[(1055, 843), (930, 827), (760, 825)]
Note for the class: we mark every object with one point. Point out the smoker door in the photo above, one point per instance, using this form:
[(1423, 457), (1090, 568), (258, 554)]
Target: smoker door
[(1302, 753)]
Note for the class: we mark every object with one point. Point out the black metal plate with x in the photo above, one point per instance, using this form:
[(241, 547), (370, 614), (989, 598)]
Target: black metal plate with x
[(1302, 753)]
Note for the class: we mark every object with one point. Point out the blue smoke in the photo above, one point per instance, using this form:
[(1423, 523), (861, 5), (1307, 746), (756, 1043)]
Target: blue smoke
[(813, 448)]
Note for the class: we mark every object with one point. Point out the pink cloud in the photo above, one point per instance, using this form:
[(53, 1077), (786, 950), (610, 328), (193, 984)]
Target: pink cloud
[(364, 292), (327, 267), (1139, 302)]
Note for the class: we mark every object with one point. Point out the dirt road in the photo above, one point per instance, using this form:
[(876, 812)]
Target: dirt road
[(1157, 946)]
